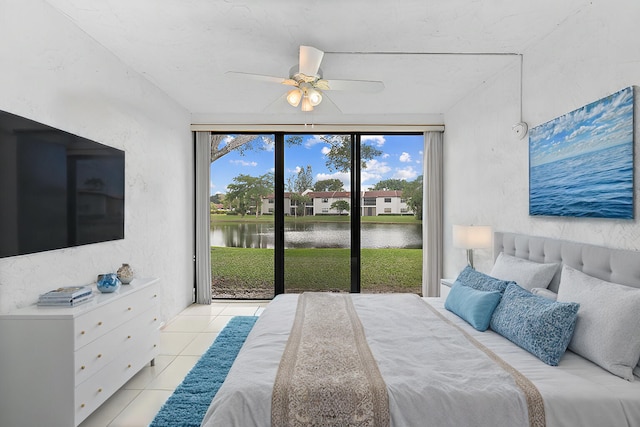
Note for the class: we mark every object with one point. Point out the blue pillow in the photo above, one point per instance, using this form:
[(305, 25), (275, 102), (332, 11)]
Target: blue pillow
[(539, 325), (474, 306), (480, 281)]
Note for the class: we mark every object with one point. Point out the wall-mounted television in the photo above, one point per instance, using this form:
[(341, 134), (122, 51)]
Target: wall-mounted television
[(57, 190)]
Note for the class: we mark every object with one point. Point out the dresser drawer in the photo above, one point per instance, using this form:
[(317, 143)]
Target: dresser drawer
[(95, 390), (96, 323), (96, 355)]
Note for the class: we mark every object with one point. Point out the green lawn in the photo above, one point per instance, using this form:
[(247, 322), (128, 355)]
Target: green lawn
[(250, 271)]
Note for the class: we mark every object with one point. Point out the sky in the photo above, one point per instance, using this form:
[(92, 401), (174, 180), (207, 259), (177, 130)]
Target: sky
[(601, 124), (401, 159)]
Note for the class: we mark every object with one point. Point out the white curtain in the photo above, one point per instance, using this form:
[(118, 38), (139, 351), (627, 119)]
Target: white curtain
[(432, 216), (203, 247)]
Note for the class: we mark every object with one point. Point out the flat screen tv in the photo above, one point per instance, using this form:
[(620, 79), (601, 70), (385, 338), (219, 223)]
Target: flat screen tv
[(57, 190)]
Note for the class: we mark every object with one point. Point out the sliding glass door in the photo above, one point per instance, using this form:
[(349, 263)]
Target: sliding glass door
[(317, 232), (242, 201), (391, 210)]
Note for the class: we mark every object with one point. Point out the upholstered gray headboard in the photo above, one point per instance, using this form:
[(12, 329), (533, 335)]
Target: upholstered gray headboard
[(613, 265)]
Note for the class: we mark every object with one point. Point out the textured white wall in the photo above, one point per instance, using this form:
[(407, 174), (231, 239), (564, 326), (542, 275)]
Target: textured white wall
[(592, 55), (53, 73)]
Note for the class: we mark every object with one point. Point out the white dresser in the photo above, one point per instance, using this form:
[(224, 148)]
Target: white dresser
[(57, 365)]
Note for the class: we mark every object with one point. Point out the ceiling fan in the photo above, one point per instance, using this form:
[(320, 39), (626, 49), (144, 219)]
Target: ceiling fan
[(308, 84)]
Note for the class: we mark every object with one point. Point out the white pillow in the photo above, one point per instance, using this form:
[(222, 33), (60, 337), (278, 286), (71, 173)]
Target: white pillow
[(543, 292), (607, 331), (527, 274)]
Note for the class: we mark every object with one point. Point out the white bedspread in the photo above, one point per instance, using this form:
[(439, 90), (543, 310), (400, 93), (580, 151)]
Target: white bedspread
[(424, 387)]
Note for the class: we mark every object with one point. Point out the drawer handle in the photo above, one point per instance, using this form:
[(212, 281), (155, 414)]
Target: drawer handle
[(100, 390), (128, 337), (155, 319), (155, 295), (99, 323), (82, 405), (129, 365), (99, 355), (82, 367), (129, 309), (81, 332)]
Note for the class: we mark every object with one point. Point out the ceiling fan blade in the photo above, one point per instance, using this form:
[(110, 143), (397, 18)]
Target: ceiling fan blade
[(356, 85), (259, 77), (310, 59), (327, 106)]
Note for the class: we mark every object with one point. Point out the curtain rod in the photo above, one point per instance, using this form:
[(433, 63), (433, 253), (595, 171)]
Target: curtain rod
[(221, 127)]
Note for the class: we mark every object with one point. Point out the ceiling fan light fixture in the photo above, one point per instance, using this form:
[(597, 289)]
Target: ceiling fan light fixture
[(294, 96), (306, 104), (315, 97)]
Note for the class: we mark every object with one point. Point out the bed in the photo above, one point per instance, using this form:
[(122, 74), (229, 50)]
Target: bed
[(440, 369)]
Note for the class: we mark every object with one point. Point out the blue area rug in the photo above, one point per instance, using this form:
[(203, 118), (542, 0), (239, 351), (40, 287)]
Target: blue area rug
[(188, 404)]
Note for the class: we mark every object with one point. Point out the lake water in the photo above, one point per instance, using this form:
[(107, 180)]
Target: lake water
[(317, 235)]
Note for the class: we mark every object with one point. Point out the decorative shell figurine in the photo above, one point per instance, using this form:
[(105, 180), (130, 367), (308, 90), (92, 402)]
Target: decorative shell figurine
[(125, 274)]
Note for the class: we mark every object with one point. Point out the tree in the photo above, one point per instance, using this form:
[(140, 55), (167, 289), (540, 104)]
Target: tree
[(247, 191), (338, 158), (333, 184), (223, 144), (390, 184), (297, 185), (217, 198), (304, 180), (341, 205), (413, 194)]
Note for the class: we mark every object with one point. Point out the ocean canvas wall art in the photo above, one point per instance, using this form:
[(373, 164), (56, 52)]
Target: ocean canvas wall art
[(581, 163)]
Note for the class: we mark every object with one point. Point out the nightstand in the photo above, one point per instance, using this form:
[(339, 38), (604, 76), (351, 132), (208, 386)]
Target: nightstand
[(445, 287)]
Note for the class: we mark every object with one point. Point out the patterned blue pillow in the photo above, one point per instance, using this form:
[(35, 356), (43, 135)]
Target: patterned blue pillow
[(480, 281), (539, 325), (474, 306)]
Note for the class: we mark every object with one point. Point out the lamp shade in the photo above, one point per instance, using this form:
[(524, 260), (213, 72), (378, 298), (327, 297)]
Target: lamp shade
[(471, 236), (315, 97), (294, 96), (306, 104)]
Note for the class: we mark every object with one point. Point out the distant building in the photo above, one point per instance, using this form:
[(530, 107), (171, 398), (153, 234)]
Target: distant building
[(372, 203)]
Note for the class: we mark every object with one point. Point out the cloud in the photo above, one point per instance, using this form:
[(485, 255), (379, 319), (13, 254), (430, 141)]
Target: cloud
[(377, 140), (408, 173), (315, 139), (405, 157), (268, 143), (377, 167), (325, 150), (374, 171)]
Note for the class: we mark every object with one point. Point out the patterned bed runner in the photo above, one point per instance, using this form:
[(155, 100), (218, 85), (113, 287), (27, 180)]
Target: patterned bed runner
[(327, 374)]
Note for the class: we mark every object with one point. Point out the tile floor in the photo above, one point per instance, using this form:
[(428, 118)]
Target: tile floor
[(182, 341)]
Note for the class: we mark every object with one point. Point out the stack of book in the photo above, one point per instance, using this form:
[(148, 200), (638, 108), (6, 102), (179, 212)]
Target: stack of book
[(67, 296)]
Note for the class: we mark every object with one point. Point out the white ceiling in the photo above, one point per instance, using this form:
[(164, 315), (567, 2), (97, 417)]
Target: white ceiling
[(184, 47)]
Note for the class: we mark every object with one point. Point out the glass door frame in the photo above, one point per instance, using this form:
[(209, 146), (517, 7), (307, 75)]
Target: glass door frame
[(356, 202)]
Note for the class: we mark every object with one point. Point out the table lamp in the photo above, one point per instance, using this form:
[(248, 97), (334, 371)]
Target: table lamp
[(471, 237)]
